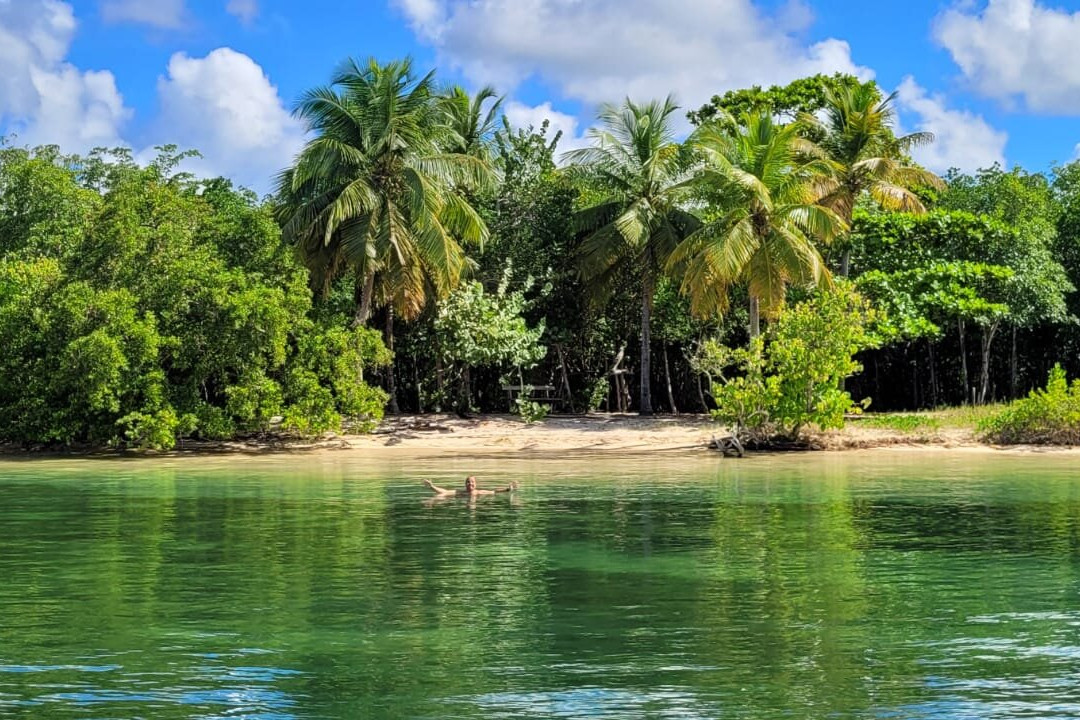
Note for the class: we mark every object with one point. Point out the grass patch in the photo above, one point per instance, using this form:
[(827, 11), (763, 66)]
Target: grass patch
[(967, 417), (901, 422)]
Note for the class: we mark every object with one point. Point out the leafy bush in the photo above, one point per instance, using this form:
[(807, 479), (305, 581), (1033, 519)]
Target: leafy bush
[(793, 378), (598, 393), (1047, 416), (529, 410), (138, 307), (475, 328)]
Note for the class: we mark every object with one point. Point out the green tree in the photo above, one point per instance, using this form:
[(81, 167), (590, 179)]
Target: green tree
[(792, 377), (378, 190), (970, 269), (765, 182), (145, 306), (474, 328), (867, 157), (472, 125), (638, 171), (805, 95)]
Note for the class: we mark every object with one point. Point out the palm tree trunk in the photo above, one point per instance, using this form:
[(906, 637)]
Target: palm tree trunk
[(648, 289), (363, 298), (667, 376), (755, 317), (391, 383)]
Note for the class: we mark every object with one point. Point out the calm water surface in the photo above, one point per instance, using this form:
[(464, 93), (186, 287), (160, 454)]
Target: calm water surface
[(885, 585)]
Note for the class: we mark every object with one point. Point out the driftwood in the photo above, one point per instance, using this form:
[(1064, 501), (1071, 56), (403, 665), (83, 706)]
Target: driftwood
[(729, 444)]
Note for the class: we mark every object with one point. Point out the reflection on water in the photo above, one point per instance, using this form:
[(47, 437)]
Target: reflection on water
[(858, 586)]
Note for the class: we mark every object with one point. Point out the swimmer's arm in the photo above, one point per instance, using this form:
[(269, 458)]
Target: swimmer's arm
[(438, 490), (509, 488)]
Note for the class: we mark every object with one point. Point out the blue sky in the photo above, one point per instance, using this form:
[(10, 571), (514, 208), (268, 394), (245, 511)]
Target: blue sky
[(995, 80)]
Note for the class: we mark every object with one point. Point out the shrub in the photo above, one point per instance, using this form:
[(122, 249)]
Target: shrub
[(598, 393), (1047, 416), (138, 307), (530, 411), (793, 377)]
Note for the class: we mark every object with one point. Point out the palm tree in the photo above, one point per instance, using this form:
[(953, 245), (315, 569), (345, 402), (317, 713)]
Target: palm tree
[(867, 156), (472, 126), (638, 169), (378, 190), (764, 179)]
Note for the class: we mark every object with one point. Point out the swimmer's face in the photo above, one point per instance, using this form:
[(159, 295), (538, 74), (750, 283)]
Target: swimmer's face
[(470, 483)]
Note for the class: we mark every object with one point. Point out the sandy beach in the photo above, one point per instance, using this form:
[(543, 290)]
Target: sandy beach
[(599, 433), (594, 434)]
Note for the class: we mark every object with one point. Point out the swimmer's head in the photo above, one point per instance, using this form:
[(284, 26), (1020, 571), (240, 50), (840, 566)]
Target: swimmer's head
[(470, 483)]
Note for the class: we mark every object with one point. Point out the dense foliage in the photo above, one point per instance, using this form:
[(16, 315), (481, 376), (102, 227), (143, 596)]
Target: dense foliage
[(138, 306), (423, 254), (790, 378)]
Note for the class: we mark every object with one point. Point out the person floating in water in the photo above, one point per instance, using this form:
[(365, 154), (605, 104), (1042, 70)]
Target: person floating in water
[(470, 489)]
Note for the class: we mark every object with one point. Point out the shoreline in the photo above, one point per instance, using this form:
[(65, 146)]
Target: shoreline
[(594, 434)]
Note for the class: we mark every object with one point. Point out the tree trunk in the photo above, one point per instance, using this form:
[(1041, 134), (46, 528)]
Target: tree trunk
[(701, 394), (440, 382), (363, 299), (877, 377), (755, 317), (845, 261), (933, 374), (565, 378), (909, 350), (416, 382), (963, 361), (464, 403), (648, 288), (984, 374), (391, 382), (1013, 380), (667, 376)]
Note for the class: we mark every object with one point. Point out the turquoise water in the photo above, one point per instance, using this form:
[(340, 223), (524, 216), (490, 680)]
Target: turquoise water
[(879, 585)]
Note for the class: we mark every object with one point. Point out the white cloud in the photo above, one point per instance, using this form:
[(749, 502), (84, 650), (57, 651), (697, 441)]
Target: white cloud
[(962, 139), (525, 116), (167, 14), (603, 50), (1017, 49), (225, 106), (425, 15), (44, 99), (245, 10)]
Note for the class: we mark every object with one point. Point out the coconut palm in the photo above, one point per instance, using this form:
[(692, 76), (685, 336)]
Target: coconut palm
[(638, 170), (764, 227), (377, 190), (868, 158), (470, 123)]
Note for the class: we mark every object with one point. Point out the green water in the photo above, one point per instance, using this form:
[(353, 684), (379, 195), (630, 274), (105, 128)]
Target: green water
[(902, 585)]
